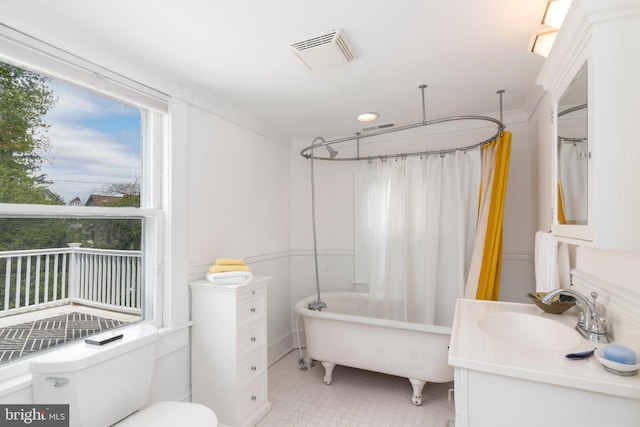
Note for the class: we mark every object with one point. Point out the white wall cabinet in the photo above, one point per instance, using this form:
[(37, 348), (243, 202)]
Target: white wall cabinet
[(605, 35), (229, 350)]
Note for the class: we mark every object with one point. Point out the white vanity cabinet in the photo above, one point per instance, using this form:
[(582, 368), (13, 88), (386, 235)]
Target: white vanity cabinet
[(484, 399), (229, 350), (602, 36), (524, 379)]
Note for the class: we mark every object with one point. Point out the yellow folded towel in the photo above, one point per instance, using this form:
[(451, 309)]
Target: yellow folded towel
[(215, 268), (230, 261)]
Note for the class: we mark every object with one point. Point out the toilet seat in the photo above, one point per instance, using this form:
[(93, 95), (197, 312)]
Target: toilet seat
[(171, 414)]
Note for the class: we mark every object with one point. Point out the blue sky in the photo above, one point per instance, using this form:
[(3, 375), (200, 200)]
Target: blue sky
[(93, 141)]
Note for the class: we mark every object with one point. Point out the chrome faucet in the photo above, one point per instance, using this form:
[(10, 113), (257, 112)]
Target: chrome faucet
[(591, 324)]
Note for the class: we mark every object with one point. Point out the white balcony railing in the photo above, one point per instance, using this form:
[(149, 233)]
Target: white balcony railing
[(41, 278)]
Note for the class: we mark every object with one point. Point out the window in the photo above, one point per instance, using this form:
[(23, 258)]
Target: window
[(80, 209)]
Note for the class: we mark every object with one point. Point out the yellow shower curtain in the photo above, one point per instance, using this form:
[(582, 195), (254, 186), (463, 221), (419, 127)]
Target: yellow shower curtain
[(484, 272), (561, 217)]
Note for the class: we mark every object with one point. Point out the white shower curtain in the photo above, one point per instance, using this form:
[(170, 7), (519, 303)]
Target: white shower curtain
[(573, 166), (415, 230)]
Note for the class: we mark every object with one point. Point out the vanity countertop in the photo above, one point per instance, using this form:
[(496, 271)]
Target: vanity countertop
[(474, 349)]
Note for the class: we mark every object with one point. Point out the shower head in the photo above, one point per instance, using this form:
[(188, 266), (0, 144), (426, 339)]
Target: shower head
[(332, 152)]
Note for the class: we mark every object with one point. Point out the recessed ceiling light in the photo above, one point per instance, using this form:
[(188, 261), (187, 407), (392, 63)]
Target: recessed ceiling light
[(367, 117)]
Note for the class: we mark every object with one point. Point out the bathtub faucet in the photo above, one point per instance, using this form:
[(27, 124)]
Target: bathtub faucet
[(591, 324), (317, 305)]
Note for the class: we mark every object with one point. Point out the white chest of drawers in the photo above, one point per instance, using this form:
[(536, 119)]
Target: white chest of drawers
[(229, 350)]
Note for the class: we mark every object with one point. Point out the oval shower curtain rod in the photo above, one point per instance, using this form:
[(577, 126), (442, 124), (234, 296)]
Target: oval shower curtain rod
[(572, 109), (572, 140), (332, 153)]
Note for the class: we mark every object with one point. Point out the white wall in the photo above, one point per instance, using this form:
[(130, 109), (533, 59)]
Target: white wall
[(334, 228), (238, 207), (517, 276), (544, 155), (238, 191)]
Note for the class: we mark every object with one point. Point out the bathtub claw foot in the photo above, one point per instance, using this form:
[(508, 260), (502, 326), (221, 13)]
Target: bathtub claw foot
[(328, 372), (417, 385)]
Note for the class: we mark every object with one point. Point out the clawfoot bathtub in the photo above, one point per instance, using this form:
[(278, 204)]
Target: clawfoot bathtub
[(343, 334)]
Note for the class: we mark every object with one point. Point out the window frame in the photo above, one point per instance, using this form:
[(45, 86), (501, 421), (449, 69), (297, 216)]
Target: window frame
[(37, 56)]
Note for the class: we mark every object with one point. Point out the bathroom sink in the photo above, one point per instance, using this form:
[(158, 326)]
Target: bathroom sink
[(529, 330)]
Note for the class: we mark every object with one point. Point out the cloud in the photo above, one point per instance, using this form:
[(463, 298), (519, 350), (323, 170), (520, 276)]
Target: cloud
[(94, 141), (81, 161), (75, 148)]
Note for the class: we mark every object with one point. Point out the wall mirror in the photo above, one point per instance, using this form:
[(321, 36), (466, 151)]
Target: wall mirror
[(573, 152)]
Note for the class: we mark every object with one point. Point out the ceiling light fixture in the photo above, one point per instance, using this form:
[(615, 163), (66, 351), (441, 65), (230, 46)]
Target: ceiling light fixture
[(543, 42), (554, 14), (367, 117)]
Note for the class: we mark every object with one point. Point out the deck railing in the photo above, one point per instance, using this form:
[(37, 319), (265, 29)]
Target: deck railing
[(41, 278)]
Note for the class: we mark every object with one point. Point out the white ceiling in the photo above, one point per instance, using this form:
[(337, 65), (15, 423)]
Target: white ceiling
[(238, 51)]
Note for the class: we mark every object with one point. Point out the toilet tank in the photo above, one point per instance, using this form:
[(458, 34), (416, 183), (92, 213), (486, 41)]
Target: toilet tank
[(101, 384)]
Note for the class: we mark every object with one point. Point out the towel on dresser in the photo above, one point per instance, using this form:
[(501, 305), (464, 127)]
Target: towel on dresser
[(551, 263), (229, 271), (215, 268), (229, 278), (230, 261)]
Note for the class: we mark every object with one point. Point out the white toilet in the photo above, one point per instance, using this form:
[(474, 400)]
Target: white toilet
[(171, 414), (109, 384)]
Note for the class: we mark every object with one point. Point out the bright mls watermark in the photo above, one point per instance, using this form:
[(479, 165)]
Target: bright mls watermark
[(34, 415)]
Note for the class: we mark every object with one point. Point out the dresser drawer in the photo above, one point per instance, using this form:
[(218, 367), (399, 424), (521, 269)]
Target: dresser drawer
[(252, 398), (252, 367), (251, 309), (229, 350), (251, 339)]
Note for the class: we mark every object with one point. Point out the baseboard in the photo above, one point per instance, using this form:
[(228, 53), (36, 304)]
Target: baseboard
[(299, 339), (277, 349)]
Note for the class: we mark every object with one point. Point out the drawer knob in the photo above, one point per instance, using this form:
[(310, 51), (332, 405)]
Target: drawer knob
[(253, 292), (253, 339), (254, 398), (253, 309), (253, 368)]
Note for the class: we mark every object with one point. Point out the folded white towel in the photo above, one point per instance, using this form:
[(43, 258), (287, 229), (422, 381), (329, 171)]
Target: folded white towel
[(229, 278), (551, 261)]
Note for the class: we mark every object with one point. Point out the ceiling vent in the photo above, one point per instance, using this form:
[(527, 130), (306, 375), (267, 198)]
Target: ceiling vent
[(379, 127), (325, 51)]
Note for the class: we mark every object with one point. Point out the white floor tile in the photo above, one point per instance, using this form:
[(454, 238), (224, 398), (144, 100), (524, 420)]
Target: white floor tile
[(357, 398)]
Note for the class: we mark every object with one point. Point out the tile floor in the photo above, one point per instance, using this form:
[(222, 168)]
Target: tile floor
[(357, 398)]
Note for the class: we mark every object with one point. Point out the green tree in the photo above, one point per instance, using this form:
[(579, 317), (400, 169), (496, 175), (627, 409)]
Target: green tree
[(37, 233), (25, 99), (129, 192)]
